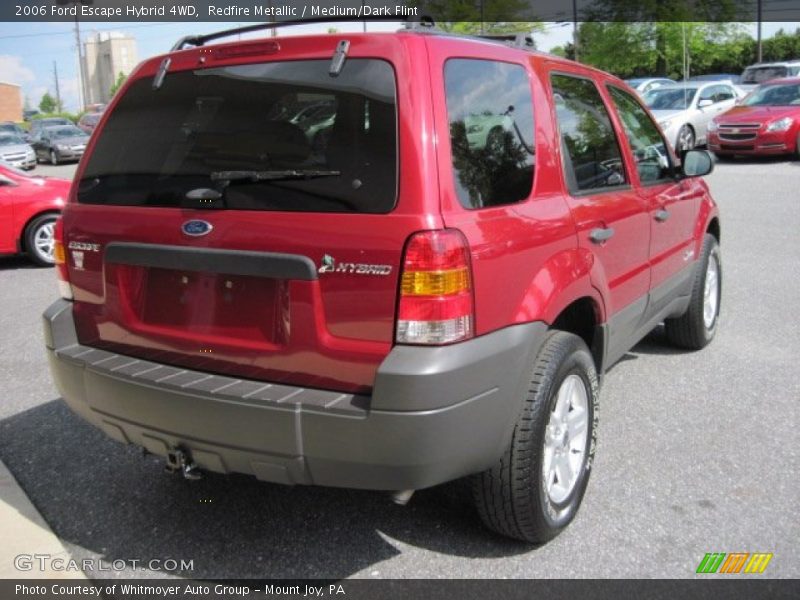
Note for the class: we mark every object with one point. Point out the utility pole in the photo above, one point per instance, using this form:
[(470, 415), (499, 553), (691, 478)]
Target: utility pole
[(759, 56), (59, 106), (575, 27), (81, 72)]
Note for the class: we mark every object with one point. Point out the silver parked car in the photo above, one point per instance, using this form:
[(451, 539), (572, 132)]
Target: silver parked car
[(683, 110), (16, 152), (756, 74), (642, 85)]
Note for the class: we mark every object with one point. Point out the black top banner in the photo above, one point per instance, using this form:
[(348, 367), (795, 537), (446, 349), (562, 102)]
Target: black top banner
[(391, 10)]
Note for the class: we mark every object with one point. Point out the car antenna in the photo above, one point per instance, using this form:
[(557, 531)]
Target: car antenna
[(158, 80), (339, 56)]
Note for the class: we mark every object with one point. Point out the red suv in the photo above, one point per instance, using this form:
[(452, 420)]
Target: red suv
[(398, 300)]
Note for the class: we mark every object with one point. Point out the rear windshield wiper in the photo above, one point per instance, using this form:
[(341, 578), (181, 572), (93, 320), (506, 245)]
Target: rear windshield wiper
[(276, 175)]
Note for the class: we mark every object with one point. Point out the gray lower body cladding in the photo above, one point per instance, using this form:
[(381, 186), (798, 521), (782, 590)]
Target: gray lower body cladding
[(435, 414)]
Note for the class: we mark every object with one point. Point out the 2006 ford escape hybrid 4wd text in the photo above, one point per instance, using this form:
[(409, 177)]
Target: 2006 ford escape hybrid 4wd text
[(380, 261)]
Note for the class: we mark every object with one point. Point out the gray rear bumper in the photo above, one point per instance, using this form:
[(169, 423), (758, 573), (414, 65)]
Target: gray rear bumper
[(435, 414)]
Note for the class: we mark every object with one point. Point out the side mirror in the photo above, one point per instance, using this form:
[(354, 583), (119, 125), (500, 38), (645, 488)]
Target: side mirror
[(697, 163), (704, 102)]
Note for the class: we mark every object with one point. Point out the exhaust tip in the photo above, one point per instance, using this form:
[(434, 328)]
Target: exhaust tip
[(402, 497)]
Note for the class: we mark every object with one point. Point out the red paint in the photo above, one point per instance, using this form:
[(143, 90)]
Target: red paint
[(529, 260), (23, 199), (765, 142)]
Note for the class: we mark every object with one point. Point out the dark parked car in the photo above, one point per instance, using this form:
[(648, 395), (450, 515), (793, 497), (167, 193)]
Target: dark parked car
[(11, 127), (39, 124), (57, 144), (29, 207), (766, 122), (398, 308)]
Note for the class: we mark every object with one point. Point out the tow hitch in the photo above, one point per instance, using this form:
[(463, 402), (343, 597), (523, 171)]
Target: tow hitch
[(180, 460)]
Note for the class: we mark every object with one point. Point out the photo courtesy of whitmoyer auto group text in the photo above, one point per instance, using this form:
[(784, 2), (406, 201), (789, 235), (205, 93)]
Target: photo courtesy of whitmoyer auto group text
[(399, 299)]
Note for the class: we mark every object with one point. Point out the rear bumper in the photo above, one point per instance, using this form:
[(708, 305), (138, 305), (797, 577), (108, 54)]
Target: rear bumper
[(435, 414)]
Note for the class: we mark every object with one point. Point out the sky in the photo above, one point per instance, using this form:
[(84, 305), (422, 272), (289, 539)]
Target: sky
[(29, 50)]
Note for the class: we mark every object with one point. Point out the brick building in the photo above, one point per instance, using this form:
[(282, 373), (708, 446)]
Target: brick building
[(10, 102)]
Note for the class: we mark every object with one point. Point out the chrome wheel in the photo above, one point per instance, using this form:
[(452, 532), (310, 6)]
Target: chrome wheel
[(565, 439), (44, 240), (685, 138), (711, 292)]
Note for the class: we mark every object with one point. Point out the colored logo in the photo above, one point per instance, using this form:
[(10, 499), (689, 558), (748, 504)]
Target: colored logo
[(196, 228), (734, 563), (328, 264)]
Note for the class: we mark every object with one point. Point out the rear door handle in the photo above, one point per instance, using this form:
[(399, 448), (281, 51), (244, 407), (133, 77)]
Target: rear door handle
[(662, 215), (600, 235)]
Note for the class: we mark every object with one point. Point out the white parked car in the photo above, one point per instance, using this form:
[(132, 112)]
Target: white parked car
[(684, 110), (755, 75), (643, 85)]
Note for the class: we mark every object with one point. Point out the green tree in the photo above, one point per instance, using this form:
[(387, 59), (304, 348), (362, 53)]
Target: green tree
[(118, 83), (472, 17), (47, 104)]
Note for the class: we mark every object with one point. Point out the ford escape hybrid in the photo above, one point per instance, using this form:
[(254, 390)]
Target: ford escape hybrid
[(379, 261)]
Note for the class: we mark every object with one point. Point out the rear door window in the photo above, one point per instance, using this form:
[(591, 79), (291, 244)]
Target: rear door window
[(490, 114), (280, 136)]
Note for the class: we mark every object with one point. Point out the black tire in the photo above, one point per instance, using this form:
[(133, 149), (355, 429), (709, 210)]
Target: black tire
[(511, 497), (53, 158), (690, 330), (31, 232), (797, 146), (690, 140)]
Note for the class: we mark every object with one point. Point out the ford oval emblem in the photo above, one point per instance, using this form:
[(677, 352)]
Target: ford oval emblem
[(196, 227)]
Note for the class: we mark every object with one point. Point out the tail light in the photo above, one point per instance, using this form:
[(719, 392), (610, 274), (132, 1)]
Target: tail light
[(436, 303), (60, 257)]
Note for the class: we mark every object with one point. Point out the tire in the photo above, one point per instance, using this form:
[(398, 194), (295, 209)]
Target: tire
[(37, 235), (53, 158), (723, 157), (697, 326), (797, 146), (512, 497), (686, 139)]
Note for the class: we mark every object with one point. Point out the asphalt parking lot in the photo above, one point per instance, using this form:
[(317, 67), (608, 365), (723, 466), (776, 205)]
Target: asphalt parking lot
[(698, 452)]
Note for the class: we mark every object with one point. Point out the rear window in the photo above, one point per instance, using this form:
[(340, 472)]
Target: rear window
[(282, 136), (490, 112)]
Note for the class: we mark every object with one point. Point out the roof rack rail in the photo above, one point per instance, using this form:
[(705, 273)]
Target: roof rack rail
[(201, 40)]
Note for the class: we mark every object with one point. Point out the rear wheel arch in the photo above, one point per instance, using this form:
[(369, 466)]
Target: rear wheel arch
[(713, 229), (583, 317)]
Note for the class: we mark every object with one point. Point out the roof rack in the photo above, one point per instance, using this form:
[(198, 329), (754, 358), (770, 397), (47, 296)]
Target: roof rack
[(422, 24)]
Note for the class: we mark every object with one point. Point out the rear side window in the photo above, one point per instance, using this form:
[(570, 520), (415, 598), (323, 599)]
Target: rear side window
[(591, 152), (273, 136), (490, 113)]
